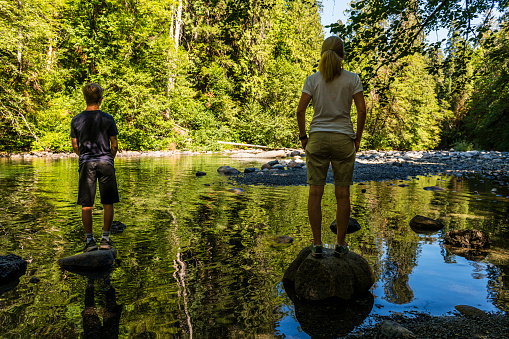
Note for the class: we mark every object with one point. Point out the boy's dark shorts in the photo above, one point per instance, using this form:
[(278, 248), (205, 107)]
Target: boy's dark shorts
[(90, 173), (326, 148)]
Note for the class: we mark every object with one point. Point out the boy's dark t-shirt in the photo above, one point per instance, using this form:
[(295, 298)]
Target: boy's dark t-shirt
[(93, 130)]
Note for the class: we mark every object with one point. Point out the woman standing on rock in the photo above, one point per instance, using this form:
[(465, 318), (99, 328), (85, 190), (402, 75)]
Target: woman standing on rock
[(332, 138)]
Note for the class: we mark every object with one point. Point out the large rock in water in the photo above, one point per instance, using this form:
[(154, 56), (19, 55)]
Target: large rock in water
[(95, 260), (346, 278), (11, 267), (420, 224)]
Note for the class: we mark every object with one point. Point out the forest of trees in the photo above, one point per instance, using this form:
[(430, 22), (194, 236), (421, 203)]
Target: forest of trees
[(185, 74)]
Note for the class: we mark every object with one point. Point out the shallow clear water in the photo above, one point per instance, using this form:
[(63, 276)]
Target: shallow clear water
[(199, 261)]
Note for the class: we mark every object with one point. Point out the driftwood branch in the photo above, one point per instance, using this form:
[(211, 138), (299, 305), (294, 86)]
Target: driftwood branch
[(244, 145)]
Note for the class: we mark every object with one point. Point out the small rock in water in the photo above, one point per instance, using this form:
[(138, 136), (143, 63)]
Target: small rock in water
[(403, 185), (353, 226), (273, 162), (117, 227), (390, 329), (470, 311), (283, 239), (363, 190), (222, 169), (236, 190), (434, 188), (250, 170), (34, 280), (231, 171), (294, 153), (266, 166), (199, 174), (420, 224), (11, 267)]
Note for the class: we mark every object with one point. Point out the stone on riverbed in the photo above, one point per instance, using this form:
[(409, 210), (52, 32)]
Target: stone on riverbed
[(470, 311), (94, 260), (467, 239), (420, 224), (317, 279), (11, 267), (390, 329), (227, 170), (434, 188), (353, 226)]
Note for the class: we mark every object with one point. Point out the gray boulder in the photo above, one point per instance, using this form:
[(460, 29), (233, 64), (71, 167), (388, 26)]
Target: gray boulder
[(94, 260), (317, 279), (420, 224), (250, 170), (11, 267), (353, 226)]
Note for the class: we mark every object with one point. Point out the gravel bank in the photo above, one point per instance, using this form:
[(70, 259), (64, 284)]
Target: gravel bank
[(381, 166), (492, 326)]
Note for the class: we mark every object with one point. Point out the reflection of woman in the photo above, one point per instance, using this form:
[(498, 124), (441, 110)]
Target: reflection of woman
[(332, 139)]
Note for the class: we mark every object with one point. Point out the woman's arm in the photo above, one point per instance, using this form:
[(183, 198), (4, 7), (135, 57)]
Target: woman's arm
[(301, 116), (360, 104)]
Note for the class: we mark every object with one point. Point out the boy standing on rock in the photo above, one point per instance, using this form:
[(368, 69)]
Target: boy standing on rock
[(94, 140)]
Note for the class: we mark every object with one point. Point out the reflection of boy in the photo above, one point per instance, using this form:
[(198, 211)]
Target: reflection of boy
[(94, 139)]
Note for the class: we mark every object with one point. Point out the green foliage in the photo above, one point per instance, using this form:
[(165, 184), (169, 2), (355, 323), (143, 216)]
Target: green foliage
[(488, 107), (233, 70)]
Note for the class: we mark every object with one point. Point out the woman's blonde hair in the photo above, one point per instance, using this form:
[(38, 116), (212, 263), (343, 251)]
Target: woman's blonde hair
[(331, 60)]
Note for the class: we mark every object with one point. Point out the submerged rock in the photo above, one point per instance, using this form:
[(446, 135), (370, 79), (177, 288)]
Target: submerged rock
[(94, 260), (283, 239), (11, 267), (317, 279), (470, 311), (434, 188), (420, 224), (236, 190), (200, 174), (390, 329), (473, 239), (353, 226)]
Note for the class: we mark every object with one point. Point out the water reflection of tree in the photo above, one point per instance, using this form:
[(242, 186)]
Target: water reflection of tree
[(401, 259), (231, 287)]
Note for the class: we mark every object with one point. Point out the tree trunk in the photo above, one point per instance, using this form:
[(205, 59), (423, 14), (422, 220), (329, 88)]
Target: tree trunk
[(178, 25)]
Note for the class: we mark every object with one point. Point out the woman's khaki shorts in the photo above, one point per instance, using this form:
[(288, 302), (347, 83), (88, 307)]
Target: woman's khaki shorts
[(324, 148)]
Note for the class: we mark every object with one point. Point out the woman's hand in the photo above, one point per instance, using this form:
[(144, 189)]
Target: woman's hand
[(304, 143)]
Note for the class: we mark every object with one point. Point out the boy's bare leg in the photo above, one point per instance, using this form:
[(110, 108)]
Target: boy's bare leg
[(108, 217), (342, 212), (86, 218), (315, 212)]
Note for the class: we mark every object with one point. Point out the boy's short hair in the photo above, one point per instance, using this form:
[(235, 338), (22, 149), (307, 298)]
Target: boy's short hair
[(93, 93)]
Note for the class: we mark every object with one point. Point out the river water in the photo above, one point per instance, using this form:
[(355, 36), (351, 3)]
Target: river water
[(197, 260)]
